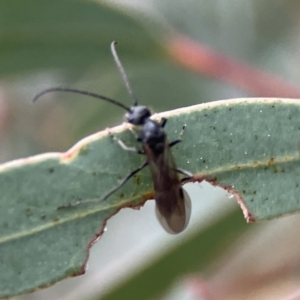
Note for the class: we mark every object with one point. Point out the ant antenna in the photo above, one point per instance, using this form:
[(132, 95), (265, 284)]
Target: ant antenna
[(122, 71), (94, 95)]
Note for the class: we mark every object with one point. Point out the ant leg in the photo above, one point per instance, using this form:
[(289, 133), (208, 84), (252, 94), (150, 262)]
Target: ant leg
[(179, 137), (110, 192), (188, 174), (182, 180), (145, 164), (135, 134), (163, 122), (123, 146)]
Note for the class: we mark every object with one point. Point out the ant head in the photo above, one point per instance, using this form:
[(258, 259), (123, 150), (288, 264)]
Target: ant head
[(138, 115)]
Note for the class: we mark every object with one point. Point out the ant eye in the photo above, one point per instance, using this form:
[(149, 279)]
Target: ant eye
[(147, 114)]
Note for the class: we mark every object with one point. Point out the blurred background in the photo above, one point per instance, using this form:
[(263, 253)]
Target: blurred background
[(176, 54)]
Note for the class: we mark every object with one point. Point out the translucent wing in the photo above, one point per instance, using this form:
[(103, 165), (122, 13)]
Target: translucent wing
[(178, 220), (173, 204)]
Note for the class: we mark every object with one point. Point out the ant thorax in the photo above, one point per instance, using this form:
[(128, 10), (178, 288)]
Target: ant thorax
[(154, 136)]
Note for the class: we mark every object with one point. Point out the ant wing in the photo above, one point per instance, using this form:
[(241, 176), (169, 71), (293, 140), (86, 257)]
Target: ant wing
[(178, 220), (173, 205)]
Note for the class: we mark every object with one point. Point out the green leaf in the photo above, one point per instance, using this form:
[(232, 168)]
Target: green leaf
[(65, 35), (250, 146)]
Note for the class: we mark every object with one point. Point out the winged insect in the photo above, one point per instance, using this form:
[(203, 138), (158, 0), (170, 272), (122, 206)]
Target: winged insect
[(173, 204)]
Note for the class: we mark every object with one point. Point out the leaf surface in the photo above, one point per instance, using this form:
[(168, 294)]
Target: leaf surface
[(249, 146)]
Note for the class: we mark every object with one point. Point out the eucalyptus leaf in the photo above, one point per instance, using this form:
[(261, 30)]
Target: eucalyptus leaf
[(248, 146)]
